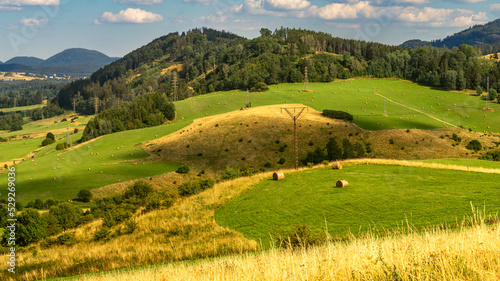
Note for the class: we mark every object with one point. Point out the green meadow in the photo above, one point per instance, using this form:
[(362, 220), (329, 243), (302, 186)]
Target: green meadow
[(361, 98), (378, 198)]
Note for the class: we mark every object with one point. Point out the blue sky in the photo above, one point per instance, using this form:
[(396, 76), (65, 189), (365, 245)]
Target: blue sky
[(42, 28)]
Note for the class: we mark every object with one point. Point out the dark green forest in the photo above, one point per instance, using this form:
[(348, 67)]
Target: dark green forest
[(210, 60), (23, 93)]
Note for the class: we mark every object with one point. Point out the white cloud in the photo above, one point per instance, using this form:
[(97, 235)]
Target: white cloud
[(34, 22), (202, 2), (287, 4), (8, 8), (467, 1), (441, 17), (129, 15), (29, 2), (495, 7), (141, 2)]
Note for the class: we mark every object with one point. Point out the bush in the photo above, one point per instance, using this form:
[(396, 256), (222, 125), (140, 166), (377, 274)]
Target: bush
[(153, 202), (61, 146), (84, 195), (195, 187), (282, 161), (169, 198), (315, 157), (129, 227), (67, 239), (492, 156), (474, 145), (140, 190), (260, 87), (183, 170), (75, 131), (268, 165), (102, 234), (47, 141), (300, 236), (51, 136), (335, 114)]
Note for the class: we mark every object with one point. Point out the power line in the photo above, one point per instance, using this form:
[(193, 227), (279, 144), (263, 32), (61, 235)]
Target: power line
[(295, 116)]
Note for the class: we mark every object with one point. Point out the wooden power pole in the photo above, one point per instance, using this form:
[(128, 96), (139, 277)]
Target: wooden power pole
[(292, 111), (174, 84)]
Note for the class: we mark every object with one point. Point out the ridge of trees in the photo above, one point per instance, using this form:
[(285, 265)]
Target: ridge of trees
[(206, 60)]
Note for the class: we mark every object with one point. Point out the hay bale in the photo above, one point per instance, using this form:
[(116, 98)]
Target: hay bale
[(277, 176), (337, 166), (342, 183)]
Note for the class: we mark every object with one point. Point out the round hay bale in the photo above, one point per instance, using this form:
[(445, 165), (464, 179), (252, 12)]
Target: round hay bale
[(277, 176), (342, 183), (337, 166)]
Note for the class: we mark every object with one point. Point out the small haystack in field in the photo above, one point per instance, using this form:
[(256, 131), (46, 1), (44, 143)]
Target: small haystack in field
[(277, 176), (342, 183), (337, 166)]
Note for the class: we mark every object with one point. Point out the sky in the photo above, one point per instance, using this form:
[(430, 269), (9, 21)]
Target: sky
[(42, 28)]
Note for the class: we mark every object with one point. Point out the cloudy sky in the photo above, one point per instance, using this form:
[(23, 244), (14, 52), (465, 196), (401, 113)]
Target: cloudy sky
[(42, 28)]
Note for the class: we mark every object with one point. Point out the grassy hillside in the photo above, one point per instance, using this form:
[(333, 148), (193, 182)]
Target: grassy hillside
[(434, 255), (378, 198), (354, 96)]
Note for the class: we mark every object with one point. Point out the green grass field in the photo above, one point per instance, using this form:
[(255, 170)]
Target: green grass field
[(18, 149), (355, 96), (378, 198), (465, 162), (32, 128), (23, 108), (344, 95)]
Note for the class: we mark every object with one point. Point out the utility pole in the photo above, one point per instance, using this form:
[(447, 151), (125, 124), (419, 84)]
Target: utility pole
[(488, 92), (292, 111), (174, 84), (306, 86), (74, 105), (96, 104), (68, 138)]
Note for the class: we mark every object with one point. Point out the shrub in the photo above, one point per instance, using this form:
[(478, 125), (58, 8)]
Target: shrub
[(61, 146), (282, 161), (391, 141), (140, 189), (102, 234), (336, 114), (259, 87), (474, 145), (50, 136), (84, 195), (47, 141), (153, 202), (195, 187), (492, 156), (300, 236), (315, 157), (267, 165), (170, 197), (282, 149), (67, 239), (129, 227), (183, 170), (75, 131)]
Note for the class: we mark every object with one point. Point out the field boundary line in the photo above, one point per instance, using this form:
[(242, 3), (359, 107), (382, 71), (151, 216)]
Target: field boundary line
[(405, 106), (407, 163)]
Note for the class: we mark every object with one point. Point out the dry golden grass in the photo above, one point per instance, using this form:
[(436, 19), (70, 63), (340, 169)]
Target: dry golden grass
[(177, 67), (185, 231), (467, 254)]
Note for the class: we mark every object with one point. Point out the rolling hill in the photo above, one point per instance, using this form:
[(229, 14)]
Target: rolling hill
[(75, 61), (478, 35)]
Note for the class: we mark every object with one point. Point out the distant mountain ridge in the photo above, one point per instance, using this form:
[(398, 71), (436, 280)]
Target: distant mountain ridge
[(479, 35), (75, 61)]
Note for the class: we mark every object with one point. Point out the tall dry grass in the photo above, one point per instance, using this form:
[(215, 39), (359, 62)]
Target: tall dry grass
[(185, 231), (471, 253)]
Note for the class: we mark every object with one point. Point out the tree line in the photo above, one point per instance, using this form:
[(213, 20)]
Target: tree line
[(206, 60)]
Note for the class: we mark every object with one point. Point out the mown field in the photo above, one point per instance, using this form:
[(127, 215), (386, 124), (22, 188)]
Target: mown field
[(378, 199)]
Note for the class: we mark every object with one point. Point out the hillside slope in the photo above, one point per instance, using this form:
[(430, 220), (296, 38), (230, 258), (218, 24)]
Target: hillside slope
[(478, 35)]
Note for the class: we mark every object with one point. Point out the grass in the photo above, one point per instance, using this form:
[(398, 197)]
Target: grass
[(23, 108), (344, 95), (378, 198), (466, 162), (466, 254), (19, 149)]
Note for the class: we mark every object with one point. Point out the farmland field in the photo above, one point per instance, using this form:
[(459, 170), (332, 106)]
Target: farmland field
[(378, 198)]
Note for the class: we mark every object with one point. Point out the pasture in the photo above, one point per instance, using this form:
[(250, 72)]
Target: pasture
[(378, 199)]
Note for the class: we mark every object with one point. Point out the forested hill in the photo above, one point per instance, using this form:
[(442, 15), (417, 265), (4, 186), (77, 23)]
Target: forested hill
[(205, 60), (486, 37)]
